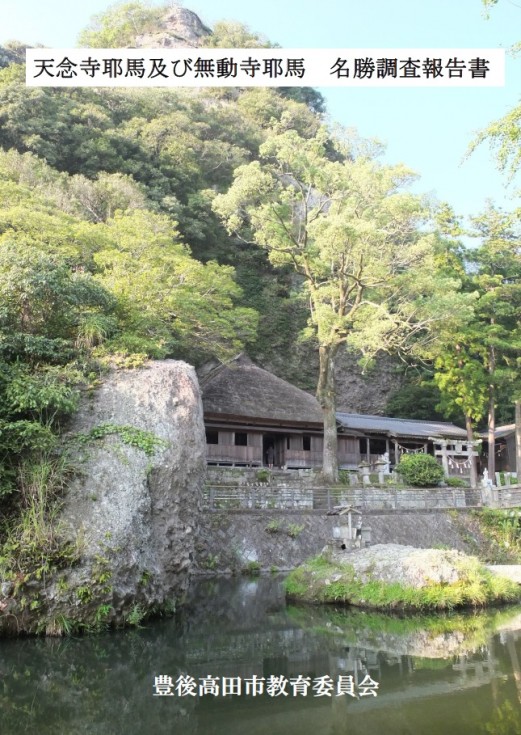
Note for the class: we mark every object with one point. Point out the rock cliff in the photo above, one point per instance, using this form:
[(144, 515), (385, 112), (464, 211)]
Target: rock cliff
[(131, 507), (178, 28)]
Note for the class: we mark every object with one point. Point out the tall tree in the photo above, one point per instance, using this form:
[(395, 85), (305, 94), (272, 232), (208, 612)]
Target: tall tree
[(497, 275), (458, 351), (503, 135), (350, 233)]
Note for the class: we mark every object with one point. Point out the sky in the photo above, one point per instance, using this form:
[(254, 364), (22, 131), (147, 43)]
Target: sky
[(427, 129)]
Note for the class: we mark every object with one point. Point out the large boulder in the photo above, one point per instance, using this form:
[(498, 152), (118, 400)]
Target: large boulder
[(132, 506)]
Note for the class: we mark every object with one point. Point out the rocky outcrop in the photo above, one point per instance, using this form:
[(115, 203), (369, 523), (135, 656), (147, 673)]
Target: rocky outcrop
[(406, 565), (12, 53), (391, 576), (131, 508), (366, 392), (356, 391), (178, 28)]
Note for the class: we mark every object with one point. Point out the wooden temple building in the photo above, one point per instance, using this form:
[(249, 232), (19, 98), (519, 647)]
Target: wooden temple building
[(251, 415)]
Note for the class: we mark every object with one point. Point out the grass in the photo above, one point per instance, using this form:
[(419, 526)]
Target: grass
[(501, 533), (34, 545), (252, 568), (294, 529), (319, 581)]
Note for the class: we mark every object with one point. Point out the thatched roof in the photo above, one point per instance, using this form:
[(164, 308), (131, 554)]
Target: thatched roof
[(241, 392), (241, 389)]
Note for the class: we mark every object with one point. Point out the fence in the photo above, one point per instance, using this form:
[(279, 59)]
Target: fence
[(232, 497), (508, 496)]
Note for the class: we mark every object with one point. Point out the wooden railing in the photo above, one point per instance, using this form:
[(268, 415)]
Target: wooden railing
[(302, 458), (231, 453)]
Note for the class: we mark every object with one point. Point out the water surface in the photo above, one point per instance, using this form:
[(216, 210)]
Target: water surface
[(453, 674)]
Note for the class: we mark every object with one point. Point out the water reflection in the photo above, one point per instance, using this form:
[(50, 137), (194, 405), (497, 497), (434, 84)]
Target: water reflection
[(440, 674)]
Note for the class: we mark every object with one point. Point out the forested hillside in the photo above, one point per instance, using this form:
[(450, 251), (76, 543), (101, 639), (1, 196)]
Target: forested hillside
[(112, 249)]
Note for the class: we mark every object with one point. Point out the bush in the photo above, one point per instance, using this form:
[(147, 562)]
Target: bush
[(420, 470), (456, 482)]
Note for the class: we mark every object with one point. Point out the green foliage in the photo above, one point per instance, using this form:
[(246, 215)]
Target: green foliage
[(103, 612), (419, 399), (343, 477), (146, 441), (252, 568), (229, 34), (476, 587), (135, 617), (504, 527), (294, 529), (420, 470), (456, 482), (263, 475), (146, 578), (84, 594), (273, 526), (33, 546), (120, 25), (211, 561), (316, 206)]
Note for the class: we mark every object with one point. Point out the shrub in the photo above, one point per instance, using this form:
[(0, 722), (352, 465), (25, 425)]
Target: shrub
[(420, 470), (456, 482), (253, 568), (294, 530), (273, 526)]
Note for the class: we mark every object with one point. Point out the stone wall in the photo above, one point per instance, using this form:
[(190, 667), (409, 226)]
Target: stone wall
[(244, 541)]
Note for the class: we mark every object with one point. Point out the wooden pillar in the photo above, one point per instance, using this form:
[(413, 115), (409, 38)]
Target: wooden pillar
[(368, 448)]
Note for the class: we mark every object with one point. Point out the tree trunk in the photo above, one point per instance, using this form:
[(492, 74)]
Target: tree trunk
[(473, 460), (492, 419), (518, 440), (327, 398)]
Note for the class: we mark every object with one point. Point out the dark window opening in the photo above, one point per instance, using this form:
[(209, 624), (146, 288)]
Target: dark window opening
[(306, 442), (378, 446), (287, 442), (241, 439), (212, 437), (363, 446)]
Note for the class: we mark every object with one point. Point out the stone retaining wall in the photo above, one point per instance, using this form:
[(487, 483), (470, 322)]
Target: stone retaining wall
[(241, 542)]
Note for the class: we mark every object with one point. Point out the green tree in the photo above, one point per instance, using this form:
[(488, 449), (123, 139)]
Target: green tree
[(178, 304), (497, 264), (120, 25), (351, 234), (43, 307), (503, 136), (231, 34)]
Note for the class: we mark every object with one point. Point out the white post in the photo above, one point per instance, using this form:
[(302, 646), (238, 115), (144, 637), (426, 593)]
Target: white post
[(444, 457)]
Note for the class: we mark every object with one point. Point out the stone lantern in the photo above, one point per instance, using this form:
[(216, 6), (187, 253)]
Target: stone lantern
[(363, 469)]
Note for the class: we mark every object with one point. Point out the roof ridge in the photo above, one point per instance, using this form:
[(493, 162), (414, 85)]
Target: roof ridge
[(394, 418)]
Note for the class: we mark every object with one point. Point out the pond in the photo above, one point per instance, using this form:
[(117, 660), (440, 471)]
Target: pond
[(323, 670)]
